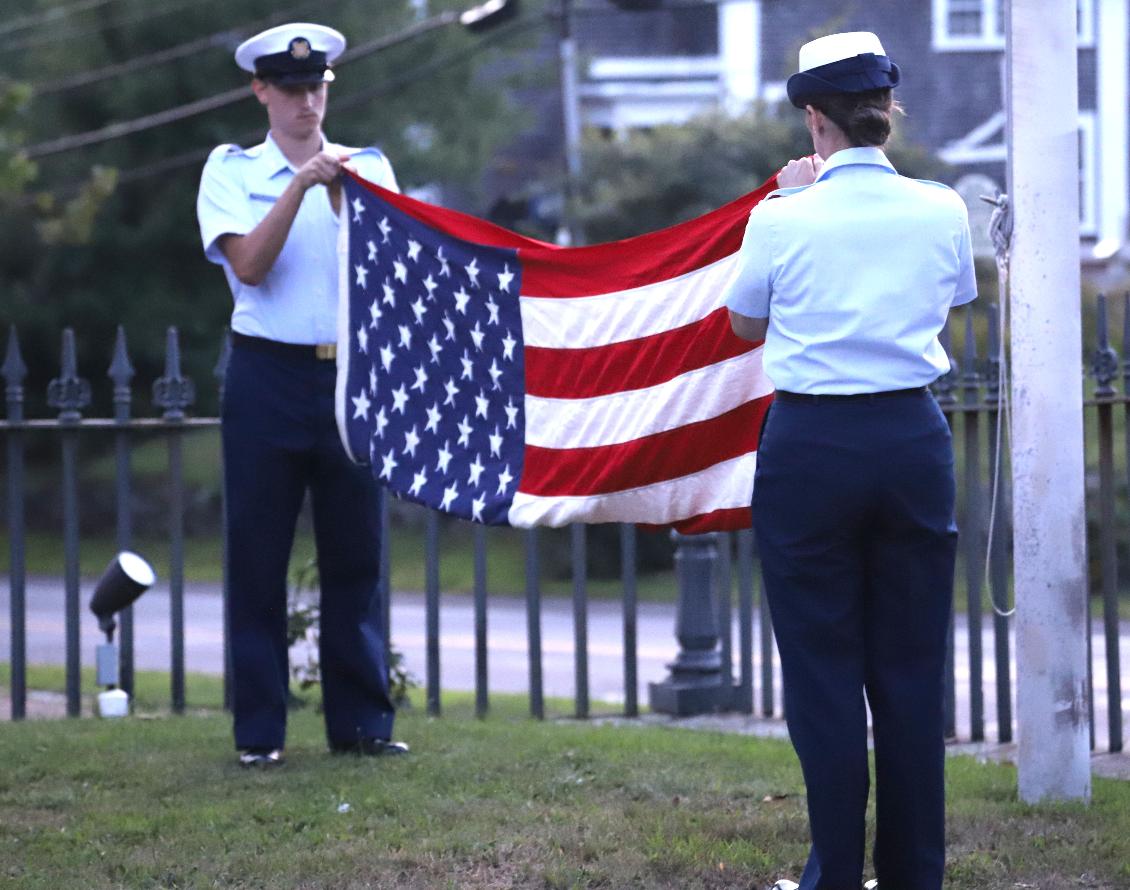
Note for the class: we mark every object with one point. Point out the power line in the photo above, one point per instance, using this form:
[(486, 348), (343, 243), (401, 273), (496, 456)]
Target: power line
[(140, 63), (32, 20), (220, 100), (64, 34)]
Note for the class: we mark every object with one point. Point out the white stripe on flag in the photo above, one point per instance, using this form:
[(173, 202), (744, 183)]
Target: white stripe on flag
[(725, 485), (581, 322), (623, 416)]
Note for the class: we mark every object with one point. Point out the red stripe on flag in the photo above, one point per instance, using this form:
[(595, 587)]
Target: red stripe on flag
[(603, 469), (551, 271), (730, 519), (633, 364)]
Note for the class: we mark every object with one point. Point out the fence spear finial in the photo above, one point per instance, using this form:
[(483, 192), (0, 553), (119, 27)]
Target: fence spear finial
[(121, 373), (174, 392), (68, 392), (1104, 362)]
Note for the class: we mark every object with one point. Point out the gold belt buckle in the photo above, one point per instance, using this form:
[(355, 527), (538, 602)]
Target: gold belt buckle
[(325, 351)]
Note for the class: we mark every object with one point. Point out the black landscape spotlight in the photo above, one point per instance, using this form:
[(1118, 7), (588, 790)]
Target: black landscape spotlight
[(126, 578)]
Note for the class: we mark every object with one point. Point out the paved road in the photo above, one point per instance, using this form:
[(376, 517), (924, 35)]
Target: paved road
[(508, 666)]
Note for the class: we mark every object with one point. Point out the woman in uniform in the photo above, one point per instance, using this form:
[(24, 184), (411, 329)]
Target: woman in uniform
[(848, 274)]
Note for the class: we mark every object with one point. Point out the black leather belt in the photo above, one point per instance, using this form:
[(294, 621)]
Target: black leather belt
[(815, 398), (321, 351)]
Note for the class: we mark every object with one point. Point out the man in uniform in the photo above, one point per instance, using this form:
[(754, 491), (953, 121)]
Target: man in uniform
[(269, 216)]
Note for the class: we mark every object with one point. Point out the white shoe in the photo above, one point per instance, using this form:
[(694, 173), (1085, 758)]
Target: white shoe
[(871, 885), (785, 884)]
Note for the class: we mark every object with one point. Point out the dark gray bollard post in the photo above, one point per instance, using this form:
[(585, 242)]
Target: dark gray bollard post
[(694, 685)]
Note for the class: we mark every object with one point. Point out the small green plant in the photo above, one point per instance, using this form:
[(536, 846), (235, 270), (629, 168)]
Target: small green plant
[(302, 629)]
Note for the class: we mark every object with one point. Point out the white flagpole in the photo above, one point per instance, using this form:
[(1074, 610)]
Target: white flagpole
[(1047, 450)]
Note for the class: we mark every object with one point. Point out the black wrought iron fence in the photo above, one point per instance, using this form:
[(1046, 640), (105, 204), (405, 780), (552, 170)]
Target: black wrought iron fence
[(732, 608)]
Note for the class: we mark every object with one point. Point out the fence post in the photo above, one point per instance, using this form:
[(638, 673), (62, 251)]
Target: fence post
[(220, 372), (70, 394), (1104, 365), (631, 627), (173, 392), (580, 622), (973, 537), (431, 611), (694, 684), (944, 389), (14, 372), (120, 374)]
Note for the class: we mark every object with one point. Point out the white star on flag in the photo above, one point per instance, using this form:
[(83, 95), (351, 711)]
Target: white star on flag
[(461, 298), (495, 372), (436, 349), (511, 414), (476, 471), (434, 416), (385, 229), (382, 421), (430, 284), (450, 325), (419, 310), (361, 406), (444, 457), (421, 379), (477, 508), (465, 430), (363, 340), (477, 334), (492, 308), (405, 336), (418, 482), (473, 271), (508, 344), (452, 391), (400, 271), (386, 358), (445, 270), (373, 380), (468, 367), (411, 442), (375, 314), (358, 209), (362, 276), (504, 480), (400, 399), (495, 443), (388, 464), (481, 404), (413, 250), (372, 252), (390, 294), (449, 494), (505, 277)]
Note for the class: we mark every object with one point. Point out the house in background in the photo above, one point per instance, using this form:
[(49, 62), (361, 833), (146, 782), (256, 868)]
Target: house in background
[(643, 68)]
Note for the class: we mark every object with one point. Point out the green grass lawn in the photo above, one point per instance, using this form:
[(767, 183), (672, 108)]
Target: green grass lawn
[(499, 803)]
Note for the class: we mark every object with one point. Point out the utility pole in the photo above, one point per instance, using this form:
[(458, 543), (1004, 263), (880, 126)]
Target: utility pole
[(568, 233), (1049, 549)]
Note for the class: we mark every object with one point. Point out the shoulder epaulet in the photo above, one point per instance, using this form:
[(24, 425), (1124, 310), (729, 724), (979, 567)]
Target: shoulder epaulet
[(229, 150), (786, 192), (940, 185)]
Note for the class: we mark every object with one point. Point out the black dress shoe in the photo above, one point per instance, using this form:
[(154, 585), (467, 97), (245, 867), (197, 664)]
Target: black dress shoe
[(371, 747), (264, 758)]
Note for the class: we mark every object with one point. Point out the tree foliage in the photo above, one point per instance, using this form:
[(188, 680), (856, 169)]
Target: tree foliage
[(654, 178)]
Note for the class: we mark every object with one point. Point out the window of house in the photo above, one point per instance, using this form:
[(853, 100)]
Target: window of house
[(980, 24), (1088, 180)]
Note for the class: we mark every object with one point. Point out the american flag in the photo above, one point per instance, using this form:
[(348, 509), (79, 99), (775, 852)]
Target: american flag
[(508, 381)]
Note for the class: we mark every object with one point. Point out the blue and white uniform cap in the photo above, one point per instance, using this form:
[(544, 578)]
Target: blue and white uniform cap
[(297, 53), (850, 62)]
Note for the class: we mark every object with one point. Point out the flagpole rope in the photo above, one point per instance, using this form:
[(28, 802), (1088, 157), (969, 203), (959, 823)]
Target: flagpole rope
[(1000, 233)]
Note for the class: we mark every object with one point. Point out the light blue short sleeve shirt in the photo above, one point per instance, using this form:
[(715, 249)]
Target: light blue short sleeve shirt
[(856, 274), (297, 301)]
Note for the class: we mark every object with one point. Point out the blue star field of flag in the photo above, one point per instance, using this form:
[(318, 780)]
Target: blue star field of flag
[(435, 385)]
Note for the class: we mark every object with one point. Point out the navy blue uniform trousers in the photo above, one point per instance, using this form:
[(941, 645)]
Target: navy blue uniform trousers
[(853, 510), (280, 439)]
